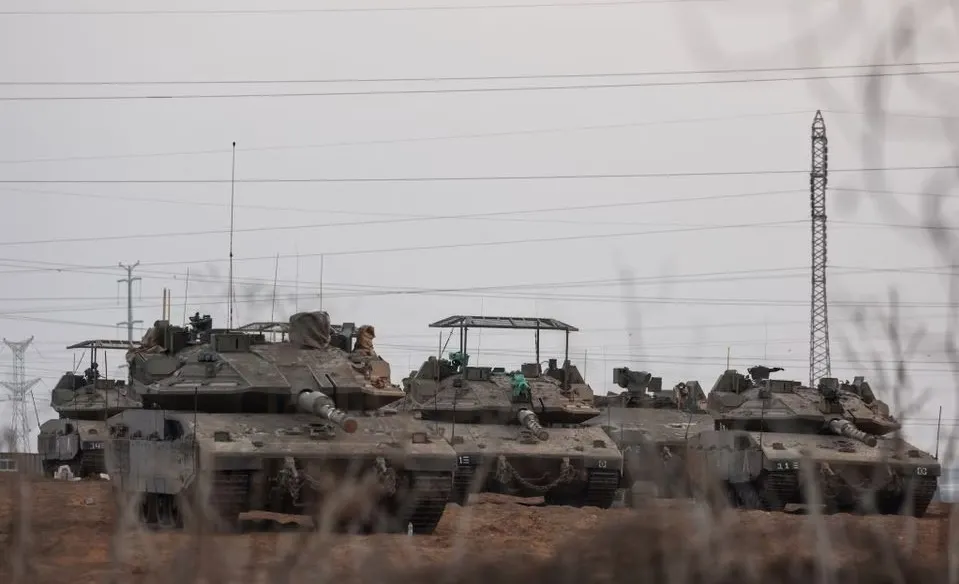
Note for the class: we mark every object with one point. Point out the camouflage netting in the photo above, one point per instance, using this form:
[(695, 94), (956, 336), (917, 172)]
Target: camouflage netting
[(152, 341), (310, 330)]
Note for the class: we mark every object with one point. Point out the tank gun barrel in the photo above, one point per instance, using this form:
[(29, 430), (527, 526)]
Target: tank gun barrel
[(528, 419), (320, 404), (845, 428)]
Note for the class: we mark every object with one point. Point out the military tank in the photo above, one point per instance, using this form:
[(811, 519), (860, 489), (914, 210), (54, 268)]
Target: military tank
[(235, 423), (651, 427), (516, 432), (83, 403), (776, 442)]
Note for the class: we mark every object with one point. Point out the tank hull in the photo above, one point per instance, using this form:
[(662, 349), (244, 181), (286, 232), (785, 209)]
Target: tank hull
[(389, 474), (653, 442), (78, 444), (772, 470), (578, 466)]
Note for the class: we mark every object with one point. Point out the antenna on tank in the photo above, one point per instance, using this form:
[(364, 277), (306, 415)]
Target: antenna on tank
[(765, 339), (296, 284), (186, 294), (938, 427), (321, 280), (276, 272), (232, 193)]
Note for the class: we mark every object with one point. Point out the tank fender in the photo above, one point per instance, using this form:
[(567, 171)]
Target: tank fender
[(65, 447)]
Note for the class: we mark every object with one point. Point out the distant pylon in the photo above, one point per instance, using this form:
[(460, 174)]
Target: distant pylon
[(20, 387), (819, 362), (129, 280)]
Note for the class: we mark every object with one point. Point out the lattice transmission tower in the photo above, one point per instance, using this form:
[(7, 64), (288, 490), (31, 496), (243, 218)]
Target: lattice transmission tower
[(819, 364), (20, 388)]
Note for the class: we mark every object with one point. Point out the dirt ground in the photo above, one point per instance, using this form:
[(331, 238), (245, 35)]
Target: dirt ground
[(73, 534)]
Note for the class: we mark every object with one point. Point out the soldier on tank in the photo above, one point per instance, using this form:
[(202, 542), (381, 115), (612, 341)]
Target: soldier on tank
[(91, 373)]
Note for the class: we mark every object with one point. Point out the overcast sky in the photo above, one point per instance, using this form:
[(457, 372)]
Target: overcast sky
[(715, 256)]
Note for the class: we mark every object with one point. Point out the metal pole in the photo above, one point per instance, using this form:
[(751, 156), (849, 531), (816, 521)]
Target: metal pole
[(129, 280)]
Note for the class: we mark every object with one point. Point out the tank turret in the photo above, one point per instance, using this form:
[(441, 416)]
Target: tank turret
[(516, 430), (272, 417)]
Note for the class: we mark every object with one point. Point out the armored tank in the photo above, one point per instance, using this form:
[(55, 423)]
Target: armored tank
[(83, 403), (235, 423), (651, 427), (776, 442), (517, 432)]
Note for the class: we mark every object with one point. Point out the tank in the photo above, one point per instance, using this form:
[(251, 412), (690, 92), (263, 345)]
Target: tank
[(776, 442), (240, 423), (516, 431), (651, 427), (83, 403)]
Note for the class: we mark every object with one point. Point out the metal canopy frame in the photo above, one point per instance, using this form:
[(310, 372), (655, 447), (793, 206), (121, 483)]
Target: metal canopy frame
[(106, 344), (95, 345), (464, 323), (265, 327)]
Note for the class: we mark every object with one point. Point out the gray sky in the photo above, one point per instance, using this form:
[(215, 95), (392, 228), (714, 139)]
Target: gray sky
[(692, 293)]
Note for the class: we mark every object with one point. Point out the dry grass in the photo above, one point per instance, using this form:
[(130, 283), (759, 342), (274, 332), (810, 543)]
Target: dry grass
[(70, 531)]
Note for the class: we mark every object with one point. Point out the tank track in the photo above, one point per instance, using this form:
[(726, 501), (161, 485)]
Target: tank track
[(432, 491), (923, 489), (601, 486), (229, 496), (92, 463), (462, 484), (779, 489)]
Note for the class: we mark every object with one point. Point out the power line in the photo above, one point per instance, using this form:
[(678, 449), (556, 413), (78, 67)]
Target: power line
[(504, 133), (426, 8), (506, 216), (45, 266), (515, 77), (476, 178), (490, 215), (485, 292), (412, 248), (500, 89), (689, 229)]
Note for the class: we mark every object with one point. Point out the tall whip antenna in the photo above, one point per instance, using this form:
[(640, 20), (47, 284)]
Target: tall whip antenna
[(321, 281), (232, 192), (276, 272), (186, 295)]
